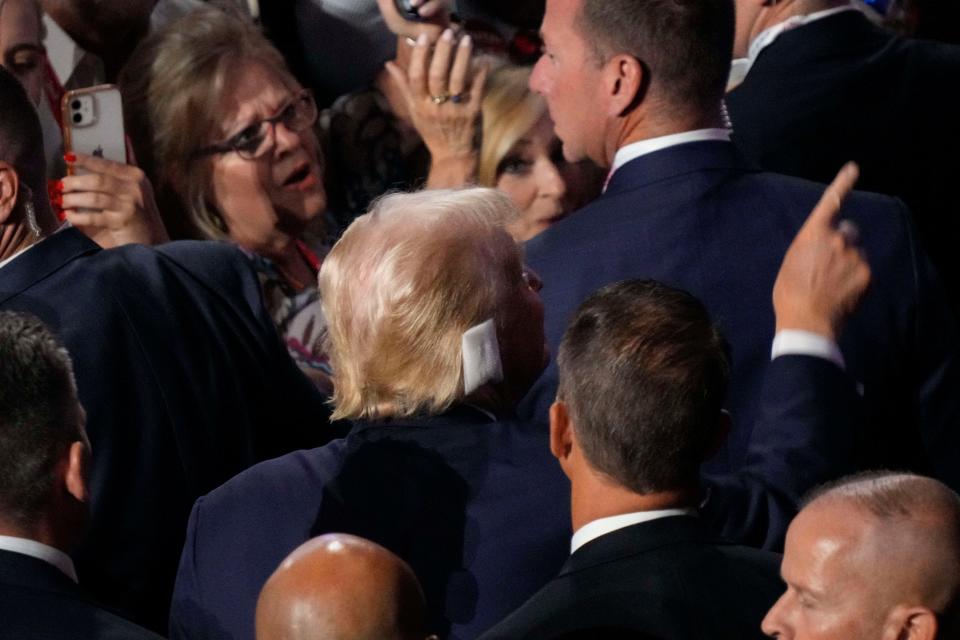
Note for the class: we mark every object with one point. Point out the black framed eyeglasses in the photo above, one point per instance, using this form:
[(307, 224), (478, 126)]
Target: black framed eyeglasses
[(257, 139)]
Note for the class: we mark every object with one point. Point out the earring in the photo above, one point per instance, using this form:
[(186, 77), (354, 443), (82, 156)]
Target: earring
[(29, 212)]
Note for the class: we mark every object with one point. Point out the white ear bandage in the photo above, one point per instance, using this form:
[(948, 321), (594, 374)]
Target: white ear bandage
[(481, 357)]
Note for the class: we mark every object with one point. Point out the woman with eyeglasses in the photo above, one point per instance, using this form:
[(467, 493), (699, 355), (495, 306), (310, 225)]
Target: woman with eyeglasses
[(226, 133)]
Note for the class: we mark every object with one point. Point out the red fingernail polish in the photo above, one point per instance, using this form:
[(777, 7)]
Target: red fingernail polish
[(70, 157), (61, 215), (58, 201), (58, 185)]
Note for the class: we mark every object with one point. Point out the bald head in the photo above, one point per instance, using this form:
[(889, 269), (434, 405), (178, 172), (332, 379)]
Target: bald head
[(341, 587), (872, 555)]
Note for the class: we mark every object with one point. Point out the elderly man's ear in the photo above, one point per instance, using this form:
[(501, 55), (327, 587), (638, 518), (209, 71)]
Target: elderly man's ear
[(9, 189)]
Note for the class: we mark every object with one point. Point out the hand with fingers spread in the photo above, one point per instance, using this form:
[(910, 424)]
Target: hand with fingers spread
[(443, 94), (824, 273), (111, 203)]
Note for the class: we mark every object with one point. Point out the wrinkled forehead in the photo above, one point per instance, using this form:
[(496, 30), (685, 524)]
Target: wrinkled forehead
[(250, 91)]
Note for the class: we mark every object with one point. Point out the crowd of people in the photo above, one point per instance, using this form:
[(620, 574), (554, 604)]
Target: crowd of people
[(548, 320)]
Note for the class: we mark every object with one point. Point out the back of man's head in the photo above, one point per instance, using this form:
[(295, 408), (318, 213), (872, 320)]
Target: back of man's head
[(341, 587), (40, 418), (21, 139), (684, 45), (643, 373)]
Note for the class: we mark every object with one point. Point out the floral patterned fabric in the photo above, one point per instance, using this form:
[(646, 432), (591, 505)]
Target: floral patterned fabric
[(298, 317)]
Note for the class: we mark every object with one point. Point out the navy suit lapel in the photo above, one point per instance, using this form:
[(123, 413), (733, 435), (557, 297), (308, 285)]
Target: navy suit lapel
[(672, 162), (44, 258), (637, 539)]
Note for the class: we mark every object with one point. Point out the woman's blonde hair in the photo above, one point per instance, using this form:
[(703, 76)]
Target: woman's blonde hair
[(510, 110), (400, 288), (172, 88)]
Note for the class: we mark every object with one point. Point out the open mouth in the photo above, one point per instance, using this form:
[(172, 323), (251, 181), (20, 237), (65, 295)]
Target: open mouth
[(298, 176)]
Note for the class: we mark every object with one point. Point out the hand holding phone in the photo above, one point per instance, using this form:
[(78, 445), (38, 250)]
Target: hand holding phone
[(93, 123)]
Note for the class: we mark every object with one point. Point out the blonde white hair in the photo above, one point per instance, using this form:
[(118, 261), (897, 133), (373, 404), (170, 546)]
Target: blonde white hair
[(400, 288)]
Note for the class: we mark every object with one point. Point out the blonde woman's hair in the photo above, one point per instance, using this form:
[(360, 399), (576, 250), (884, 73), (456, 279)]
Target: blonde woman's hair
[(510, 110), (172, 87), (400, 288)]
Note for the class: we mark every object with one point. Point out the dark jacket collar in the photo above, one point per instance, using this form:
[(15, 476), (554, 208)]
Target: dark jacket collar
[(458, 414), (44, 258), (26, 571), (673, 162), (639, 538), (845, 32)]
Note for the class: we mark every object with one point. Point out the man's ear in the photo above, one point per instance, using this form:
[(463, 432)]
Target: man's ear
[(75, 478), (910, 623), (720, 434), (9, 190), (561, 431), (626, 83)]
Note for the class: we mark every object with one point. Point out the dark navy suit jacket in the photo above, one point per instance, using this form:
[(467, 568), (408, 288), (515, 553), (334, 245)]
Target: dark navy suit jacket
[(667, 578), (842, 88), (695, 216), (479, 509), (38, 602), (185, 383)]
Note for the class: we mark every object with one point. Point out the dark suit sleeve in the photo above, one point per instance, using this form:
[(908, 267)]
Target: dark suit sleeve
[(188, 617), (935, 369), (806, 434), (302, 415)]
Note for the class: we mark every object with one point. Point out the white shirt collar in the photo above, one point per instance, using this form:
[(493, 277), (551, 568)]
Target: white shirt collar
[(40, 551), (603, 526), (634, 150), (741, 66)]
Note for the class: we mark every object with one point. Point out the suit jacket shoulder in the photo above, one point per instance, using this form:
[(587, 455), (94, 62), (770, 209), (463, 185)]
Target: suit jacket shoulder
[(440, 492), (666, 578), (37, 602)]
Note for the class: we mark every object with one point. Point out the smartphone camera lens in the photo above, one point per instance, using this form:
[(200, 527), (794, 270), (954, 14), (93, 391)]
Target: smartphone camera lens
[(77, 118), (75, 105)]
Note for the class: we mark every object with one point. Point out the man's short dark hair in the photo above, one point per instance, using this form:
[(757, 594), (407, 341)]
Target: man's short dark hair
[(21, 138), (40, 416), (644, 373), (684, 45)]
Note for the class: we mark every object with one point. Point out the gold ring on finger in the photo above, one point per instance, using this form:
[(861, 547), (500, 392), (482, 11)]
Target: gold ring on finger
[(440, 99)]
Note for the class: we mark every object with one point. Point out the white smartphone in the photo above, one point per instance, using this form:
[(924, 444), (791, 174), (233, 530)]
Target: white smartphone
[(93, 123)]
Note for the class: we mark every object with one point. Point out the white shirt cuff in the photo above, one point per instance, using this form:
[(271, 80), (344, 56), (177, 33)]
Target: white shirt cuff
[(805, 343)]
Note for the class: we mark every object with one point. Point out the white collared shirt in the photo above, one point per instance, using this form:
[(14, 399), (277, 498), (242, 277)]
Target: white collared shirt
[(741, 66), (603, 526), (40, 551), (634, 150)]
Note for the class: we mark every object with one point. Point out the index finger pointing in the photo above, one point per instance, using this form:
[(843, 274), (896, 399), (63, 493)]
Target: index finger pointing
[(827, 211)]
